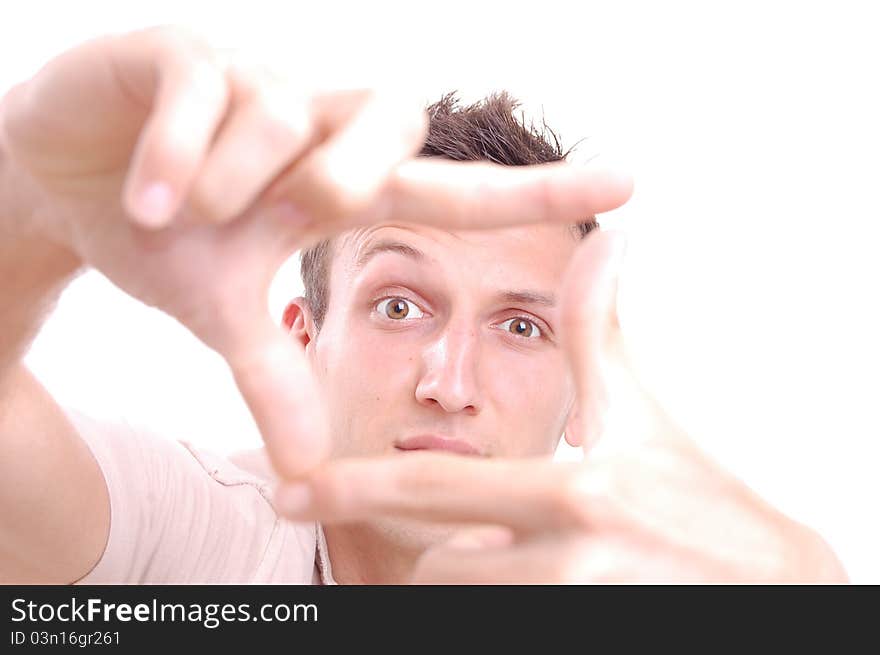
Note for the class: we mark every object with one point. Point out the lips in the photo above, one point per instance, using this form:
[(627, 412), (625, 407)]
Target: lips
[(436, 442)]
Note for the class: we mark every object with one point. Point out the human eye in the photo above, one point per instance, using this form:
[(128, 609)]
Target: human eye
[(522, 327), (399, 309)]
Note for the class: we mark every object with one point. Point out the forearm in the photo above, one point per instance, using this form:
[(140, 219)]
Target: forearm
[(53, 502), (33, 269)]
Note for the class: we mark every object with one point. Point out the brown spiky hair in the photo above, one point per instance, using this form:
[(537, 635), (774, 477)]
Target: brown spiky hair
[(488, 130)]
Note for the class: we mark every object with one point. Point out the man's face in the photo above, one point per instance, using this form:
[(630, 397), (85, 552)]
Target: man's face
[(438, 339), (452, 335)]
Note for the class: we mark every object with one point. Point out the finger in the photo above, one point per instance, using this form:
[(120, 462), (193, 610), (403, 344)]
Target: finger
[(615, 413), (589, 320), (276, 381), (458, 195), (231, 316), (366, 136), (546, 561), (189, 95), (268, 127), (364, 177), (571, 560), (462, 195), (527, 495)]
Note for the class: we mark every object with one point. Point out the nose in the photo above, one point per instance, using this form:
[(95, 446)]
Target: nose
[(449, 379)]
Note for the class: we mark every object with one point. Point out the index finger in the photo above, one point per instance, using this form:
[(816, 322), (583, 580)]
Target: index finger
[(525, 494), (436, 191), (458, 195)]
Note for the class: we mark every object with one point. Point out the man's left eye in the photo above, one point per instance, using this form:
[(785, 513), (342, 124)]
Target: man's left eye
[(521, 327)]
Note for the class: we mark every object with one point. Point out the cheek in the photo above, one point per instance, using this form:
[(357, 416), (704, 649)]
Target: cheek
[(533, 395), (377, 364), (536, 380), (366, 374)]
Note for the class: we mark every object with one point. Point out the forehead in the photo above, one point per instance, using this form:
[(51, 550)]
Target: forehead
[(533, 251), (523, 263)]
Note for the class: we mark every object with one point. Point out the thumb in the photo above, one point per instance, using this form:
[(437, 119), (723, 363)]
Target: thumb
[(277, 383), (615, 413), (590, 330)]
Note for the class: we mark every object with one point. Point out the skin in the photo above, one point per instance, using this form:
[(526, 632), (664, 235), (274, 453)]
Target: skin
[(452, 366), (187, 178), (645, 506)]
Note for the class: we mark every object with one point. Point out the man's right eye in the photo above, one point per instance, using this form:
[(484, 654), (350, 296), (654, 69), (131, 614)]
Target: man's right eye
[(398, 309)]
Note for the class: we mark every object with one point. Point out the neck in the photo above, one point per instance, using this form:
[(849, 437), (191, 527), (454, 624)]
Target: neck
[(362, 554)]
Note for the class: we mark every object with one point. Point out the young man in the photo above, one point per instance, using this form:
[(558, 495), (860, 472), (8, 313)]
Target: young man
[(187, 180)]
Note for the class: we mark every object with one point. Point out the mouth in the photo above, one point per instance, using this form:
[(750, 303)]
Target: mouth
[(436, 442)]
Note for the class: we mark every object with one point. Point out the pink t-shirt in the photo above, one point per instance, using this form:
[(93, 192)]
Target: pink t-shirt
[(179, 515)]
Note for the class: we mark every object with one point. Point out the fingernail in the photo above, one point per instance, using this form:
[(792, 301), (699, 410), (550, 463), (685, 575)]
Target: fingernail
[(617, 174), (293, 499), (153, 205), (616, 171), (287, 213)]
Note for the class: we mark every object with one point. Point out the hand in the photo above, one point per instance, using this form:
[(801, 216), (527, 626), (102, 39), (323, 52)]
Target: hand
[(187, 178), (645, 505)]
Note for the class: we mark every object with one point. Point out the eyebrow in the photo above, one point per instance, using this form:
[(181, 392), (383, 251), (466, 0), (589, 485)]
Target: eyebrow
[(528, 298), (522, 297), (388, 246)]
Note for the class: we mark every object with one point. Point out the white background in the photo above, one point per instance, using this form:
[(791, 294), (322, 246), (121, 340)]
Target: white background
[(750, 294)]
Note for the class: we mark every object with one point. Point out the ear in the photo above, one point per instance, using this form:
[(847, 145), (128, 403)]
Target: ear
[(299, 321)]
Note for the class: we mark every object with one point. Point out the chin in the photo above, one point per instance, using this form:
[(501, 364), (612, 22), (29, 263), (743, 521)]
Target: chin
[(410, 534)]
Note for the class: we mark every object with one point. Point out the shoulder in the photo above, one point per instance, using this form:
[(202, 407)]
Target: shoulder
[(181, 513), (255, 462)]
